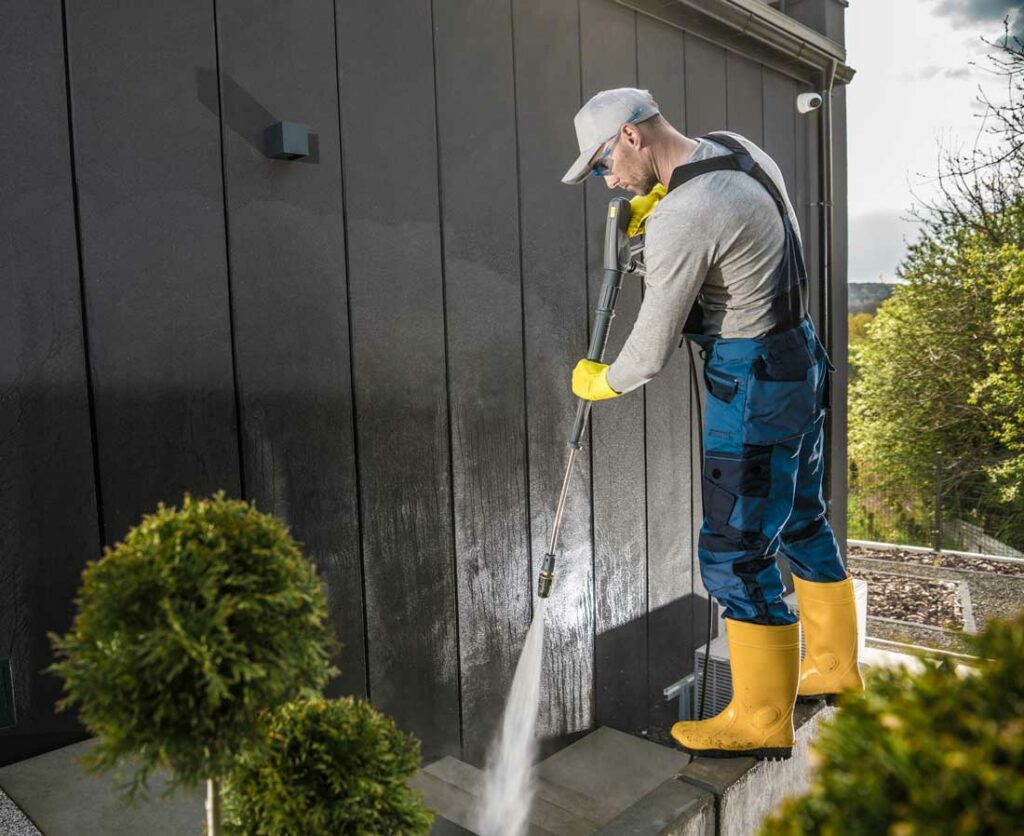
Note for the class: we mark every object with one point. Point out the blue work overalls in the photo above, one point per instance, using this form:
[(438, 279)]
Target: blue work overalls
[(763, 437)]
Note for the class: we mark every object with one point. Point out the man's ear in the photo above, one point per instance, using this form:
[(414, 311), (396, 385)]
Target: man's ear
[(633, 136)]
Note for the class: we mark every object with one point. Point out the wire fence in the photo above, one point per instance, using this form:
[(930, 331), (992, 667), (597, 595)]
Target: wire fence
[(956, 504)]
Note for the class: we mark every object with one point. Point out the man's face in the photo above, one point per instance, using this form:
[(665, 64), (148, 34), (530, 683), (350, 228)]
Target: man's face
[(630, 168)]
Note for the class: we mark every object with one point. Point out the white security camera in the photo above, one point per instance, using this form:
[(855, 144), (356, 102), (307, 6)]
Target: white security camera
[(806, 102)]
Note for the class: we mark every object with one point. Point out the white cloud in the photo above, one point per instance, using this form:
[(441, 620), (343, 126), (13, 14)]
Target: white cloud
[(915, 89)]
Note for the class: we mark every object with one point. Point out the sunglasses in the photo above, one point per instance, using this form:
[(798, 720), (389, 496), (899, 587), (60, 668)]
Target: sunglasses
[(603, 164)]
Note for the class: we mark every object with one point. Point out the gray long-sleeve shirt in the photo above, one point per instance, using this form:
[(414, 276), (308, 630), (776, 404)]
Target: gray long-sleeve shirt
[(720, 231)]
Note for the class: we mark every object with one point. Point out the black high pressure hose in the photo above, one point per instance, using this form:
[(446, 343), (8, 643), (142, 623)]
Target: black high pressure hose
[(700, 435)]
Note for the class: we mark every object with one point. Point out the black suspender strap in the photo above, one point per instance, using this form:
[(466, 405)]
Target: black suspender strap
[(788, 305), (687, 171), (738, 160)]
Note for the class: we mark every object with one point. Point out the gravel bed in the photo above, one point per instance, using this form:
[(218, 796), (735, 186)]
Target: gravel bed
[(13, 822), (995, 589), (913, 600), (950, 561)]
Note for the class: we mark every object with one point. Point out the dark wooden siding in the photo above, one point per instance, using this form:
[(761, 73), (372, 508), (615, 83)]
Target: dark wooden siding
[(374, 343)]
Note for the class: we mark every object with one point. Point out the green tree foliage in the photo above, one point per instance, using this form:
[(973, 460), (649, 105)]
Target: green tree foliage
[(940, 751), (328, 767), (857, 328), (185, 632), (1000, 393)]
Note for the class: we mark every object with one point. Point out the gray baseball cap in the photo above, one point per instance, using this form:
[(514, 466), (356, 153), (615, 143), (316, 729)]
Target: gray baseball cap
[(601, 118)]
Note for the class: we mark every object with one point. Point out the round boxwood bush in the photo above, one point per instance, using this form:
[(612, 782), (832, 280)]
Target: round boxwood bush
[(937, 751), (327, 767), (185, 632)]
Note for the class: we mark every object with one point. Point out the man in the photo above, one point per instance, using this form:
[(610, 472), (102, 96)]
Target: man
[(724, 266)]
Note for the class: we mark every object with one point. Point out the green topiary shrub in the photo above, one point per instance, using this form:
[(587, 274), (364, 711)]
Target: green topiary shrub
[(932, 752), (328, 767), (185, 632)]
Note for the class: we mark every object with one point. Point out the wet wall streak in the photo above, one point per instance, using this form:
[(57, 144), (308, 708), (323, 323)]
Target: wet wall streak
[(557, 316), (609, 59), (670, 508), (483, 307)]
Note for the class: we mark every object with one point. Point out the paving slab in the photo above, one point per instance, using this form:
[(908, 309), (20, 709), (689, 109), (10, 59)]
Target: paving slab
[(745, 789), (62, 800), (457, 800), (611, 768), (443, 827), (554, 808), (673, 808)]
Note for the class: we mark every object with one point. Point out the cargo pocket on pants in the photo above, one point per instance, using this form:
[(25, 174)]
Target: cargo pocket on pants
[(782, 397), (723, 414)]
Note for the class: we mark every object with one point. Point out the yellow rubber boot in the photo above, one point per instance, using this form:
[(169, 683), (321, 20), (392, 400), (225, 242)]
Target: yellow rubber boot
[(758, 721), (829, 618)]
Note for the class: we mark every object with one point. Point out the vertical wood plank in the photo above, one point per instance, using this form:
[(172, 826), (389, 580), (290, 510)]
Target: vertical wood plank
[(779, 107), (153, 254), (608, 53), (706, 93), (473, 44), (706, 88), (669, 441), (553, 230), (48, 506), (744, 98), (779, 143), (837, 422), (287, 257), (398, 346)]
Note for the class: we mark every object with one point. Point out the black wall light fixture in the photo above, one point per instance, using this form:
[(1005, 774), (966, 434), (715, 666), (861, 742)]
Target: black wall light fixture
[(286, 141)]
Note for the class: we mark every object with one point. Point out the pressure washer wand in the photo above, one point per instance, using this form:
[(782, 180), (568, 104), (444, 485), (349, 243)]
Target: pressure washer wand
[(617, 262)]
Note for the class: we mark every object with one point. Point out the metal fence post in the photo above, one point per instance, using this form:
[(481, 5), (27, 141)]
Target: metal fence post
[(937, 530)]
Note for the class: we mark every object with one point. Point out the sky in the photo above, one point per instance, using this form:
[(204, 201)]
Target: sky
[(914, 90)]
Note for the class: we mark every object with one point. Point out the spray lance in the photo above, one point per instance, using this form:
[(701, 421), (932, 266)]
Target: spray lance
[(623, 253), (619, 258)]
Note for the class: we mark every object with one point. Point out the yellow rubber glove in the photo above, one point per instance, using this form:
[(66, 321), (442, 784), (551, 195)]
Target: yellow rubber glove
[(590, 382), (641, 206)]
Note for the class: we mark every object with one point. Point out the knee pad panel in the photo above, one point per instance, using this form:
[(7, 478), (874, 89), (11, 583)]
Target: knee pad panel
[(735, 487)]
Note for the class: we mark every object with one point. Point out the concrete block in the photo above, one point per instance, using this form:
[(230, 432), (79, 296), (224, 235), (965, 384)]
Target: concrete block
[(673, 808), (746, 790), (62, 800), (611, 768)]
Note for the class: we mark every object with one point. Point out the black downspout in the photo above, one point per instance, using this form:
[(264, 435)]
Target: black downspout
[(827, 243)]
